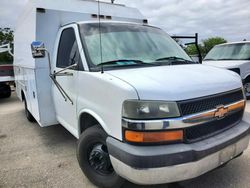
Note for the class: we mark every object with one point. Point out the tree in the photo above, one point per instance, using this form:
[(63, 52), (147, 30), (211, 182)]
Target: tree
[(6, 37), (192, 49), (205, 47), (209, 43)]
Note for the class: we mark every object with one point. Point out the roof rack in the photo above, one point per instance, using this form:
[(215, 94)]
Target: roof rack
[(6, 48)]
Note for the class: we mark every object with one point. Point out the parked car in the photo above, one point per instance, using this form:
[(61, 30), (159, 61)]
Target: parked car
[(140, 108), (233, 56)]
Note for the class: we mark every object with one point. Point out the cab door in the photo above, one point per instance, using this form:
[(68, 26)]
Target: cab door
[(67, 54)]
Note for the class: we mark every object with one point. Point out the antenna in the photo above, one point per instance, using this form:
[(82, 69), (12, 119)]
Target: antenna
[(99, 19)]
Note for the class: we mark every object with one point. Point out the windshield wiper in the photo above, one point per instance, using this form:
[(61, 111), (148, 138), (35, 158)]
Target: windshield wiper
[(116, 62), (210, 59), (171, 58), (174, 60)]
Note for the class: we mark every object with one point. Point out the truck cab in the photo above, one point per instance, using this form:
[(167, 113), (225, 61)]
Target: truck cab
[(140, 108), (232, 56)]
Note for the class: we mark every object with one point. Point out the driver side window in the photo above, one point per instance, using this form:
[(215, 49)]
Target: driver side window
[(68, 51)]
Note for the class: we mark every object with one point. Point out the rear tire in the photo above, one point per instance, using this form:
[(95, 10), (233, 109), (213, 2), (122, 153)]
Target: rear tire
[(27, 113), (93, 158), (6, 90)]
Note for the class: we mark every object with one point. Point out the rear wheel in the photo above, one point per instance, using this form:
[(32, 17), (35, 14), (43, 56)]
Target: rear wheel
[(6, 91), (27, 113), (93, 158)]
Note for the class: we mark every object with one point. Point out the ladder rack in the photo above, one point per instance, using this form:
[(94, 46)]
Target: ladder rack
[(6, 48)]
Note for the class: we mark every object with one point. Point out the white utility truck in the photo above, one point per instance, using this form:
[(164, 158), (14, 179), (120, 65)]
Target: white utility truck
[(139, 107), (234, 56)]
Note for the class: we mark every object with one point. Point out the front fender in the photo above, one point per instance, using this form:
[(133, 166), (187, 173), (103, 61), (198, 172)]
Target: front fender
[(94, 115)]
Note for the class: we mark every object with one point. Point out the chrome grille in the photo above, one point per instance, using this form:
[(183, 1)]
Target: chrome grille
[(199, 132), (202, 104)]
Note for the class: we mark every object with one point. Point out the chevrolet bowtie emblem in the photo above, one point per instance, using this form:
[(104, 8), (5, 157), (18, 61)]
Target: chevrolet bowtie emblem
[(221, 112)]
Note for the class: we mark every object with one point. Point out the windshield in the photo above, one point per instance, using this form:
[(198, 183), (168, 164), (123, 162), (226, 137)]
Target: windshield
[(230, 52), (128, 44)]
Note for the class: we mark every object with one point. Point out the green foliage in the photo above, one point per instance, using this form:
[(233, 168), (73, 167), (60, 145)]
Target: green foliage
[(192, 50), (211, 42), (205, 47), (6, 37)]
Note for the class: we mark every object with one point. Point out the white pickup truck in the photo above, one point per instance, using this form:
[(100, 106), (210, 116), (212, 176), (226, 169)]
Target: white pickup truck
[(139, 107), (234, 56)]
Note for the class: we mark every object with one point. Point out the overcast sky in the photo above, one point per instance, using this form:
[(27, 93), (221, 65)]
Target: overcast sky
[(226, 18)]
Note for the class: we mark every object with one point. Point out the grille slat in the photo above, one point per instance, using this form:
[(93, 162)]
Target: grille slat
[(203, 131), (208, 103)]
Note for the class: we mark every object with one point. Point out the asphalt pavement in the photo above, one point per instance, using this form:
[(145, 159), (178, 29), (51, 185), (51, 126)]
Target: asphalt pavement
[(31, 156)]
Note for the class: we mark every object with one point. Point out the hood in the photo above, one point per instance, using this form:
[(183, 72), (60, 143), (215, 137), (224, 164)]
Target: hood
[(226, 64), (243, 65), (180, 82)]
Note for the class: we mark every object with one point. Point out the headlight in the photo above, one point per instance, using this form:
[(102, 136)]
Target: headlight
[(134, 109)]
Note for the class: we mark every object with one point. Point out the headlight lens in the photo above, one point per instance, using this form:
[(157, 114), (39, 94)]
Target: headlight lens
[(134, 109)]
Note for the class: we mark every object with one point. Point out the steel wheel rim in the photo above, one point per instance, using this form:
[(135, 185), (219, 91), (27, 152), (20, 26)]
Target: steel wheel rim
[(99, 160)]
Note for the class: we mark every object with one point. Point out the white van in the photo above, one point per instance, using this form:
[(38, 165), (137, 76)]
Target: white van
[(234, 56), (139, 107)]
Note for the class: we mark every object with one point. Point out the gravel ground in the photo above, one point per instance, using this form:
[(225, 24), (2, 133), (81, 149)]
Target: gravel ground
[(31, 156)]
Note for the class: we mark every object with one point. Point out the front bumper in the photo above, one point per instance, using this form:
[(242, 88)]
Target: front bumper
[(177, 162)]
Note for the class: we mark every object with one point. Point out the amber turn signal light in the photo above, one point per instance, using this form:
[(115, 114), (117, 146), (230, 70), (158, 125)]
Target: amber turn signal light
[(151, 137)]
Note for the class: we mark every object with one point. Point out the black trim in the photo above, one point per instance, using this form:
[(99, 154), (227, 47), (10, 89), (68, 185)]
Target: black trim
[(41, 10), (236, 70), (175, 154), (85, 50)]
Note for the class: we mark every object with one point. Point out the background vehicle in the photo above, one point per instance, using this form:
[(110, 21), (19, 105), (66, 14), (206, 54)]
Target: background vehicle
[(233, 56), (139, 107), (6, 74), (6, 78)]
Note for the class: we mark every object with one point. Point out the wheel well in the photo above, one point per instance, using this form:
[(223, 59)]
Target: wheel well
[(86, 121), (247, 79)]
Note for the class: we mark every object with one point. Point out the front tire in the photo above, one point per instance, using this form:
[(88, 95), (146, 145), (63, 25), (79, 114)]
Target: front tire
[(27, 113), (93, 158)]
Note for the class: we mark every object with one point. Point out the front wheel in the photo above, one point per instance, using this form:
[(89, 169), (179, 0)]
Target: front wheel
[(27, 113), (247, 89), (93, 158)]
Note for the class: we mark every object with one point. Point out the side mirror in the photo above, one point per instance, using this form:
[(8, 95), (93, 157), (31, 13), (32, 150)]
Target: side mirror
[(38, 49)]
